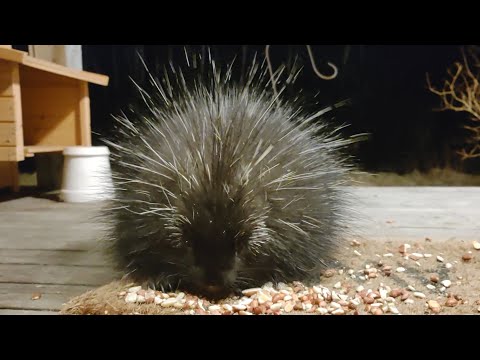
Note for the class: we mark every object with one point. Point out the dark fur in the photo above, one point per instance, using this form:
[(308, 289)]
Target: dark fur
[(221, 187)]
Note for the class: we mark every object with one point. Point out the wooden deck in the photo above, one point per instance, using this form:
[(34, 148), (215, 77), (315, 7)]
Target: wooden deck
[(49, 247)]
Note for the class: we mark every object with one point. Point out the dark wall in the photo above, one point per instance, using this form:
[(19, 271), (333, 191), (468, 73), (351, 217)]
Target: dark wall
[(386, 84)]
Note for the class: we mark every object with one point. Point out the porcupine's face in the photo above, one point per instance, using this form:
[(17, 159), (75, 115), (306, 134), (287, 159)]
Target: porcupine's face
[(216, 236)]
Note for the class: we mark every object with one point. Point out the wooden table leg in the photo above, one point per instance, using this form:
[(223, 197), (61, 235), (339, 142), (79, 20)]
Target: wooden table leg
[(9, 175)]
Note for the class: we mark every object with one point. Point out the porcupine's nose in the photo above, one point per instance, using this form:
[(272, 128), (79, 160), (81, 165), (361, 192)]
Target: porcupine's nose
[(213, 281), (213, 288)]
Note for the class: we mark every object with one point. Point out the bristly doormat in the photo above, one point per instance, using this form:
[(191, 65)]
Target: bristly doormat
[(422, 277)]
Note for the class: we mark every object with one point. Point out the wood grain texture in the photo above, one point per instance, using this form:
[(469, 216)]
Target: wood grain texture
[(84, 115), (40, 239), (7, 134), (52, 297), (6, 78), (51, 257), (26, 312), (7, 113), (50, 114), (8, 153), (23, 58), (54, 274)]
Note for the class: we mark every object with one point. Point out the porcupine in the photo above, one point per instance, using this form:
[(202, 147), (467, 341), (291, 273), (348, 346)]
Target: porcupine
[(222, 186)]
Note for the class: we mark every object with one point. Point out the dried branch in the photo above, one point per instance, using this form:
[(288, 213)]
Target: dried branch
[(461, 93)]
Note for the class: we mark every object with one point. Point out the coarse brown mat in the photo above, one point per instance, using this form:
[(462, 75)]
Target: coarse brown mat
[(464, 277)]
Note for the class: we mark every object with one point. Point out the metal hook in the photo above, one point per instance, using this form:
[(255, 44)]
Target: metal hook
[(319, 74)]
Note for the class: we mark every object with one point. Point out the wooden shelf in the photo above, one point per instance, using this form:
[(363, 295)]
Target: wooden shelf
[(23, 58), (30, 151)]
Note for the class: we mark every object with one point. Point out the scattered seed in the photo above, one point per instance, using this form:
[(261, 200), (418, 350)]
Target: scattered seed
[(434, 306), (357, 253), (400, 269), (467, 257), (368, 300), (36, 296), (276, 306), (169, 302), (131, 297), (383, 293), (377, 311), (427, 255), (388, 255), (239, 307), (395, 293), (403, 248), (263, 297), (419, 295), (451, 302), (322, 311), (242, 312), (440, 259), (431, 287), (476, 245), (214, 308), (446, 283), (250, 292), (288, 307), (448, 265)]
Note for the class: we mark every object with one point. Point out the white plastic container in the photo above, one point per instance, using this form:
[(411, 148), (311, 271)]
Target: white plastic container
[(86, 174)]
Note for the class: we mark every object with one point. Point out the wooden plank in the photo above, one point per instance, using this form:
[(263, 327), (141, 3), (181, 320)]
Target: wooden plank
[(67, 290), (17, 98), (26, 312), (84, 115), (23, 301), (19, 296), (50, 116), (7, 134), (35, 78), (12, 54), (32, 150), (7, 109), (8, 153), (55, 274), (64, 71), (6, 78), (46, 66), (36, 238), (52, 257), (7, 173)]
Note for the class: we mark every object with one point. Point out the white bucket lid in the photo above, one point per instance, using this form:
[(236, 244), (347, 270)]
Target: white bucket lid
[(86, 151)]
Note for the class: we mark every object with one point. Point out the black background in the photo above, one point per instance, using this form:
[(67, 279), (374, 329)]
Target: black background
[(385, 83)]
